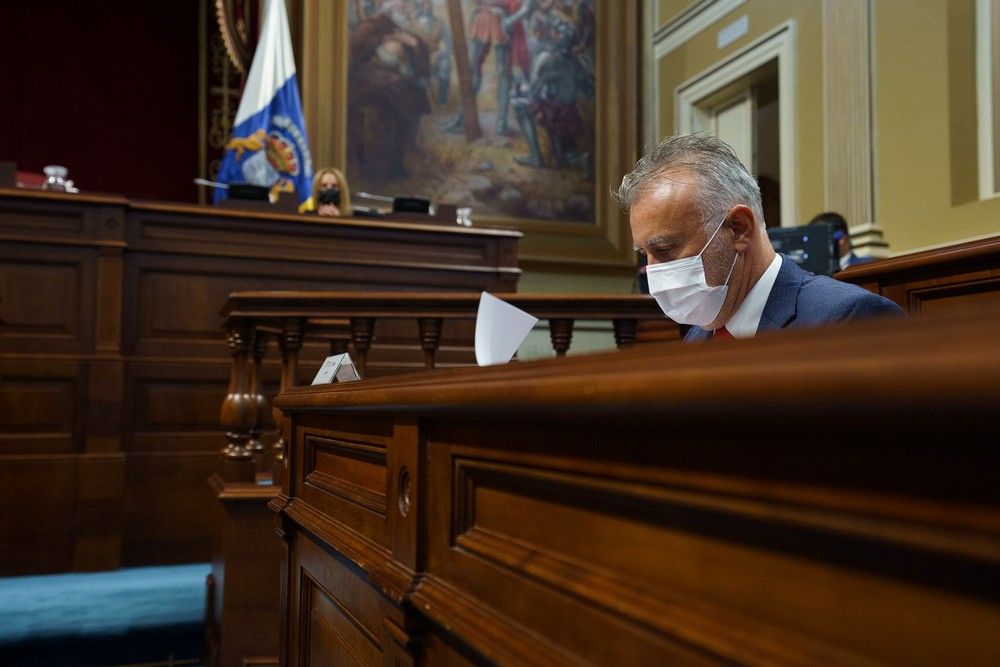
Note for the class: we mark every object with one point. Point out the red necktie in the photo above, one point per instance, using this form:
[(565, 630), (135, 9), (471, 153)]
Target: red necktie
[(722, 332)]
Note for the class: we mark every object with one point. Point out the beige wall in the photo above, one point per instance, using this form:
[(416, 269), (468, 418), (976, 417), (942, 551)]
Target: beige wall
[(925, 177), (700, 53), (925, 141), (668, 10)]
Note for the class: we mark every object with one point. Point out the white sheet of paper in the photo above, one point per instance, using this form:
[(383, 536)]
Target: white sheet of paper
[(500, 330), (338, 367)]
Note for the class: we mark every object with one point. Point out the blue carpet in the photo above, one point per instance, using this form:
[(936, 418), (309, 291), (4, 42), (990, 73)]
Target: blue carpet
[(129, 616)]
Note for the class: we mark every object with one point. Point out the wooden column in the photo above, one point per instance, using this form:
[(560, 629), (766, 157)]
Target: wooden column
[(254, 445), (290, 342), (238, 408), (625, 332), (430, 338), (362, 330), (561, 333)]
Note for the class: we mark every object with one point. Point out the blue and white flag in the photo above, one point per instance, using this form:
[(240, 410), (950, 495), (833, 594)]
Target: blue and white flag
[(269, 146)]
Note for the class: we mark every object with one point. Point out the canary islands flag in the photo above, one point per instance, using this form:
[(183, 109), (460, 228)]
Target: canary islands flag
[(269, 146)]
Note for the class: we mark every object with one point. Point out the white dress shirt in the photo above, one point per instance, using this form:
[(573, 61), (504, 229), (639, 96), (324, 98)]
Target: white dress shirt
[(746, 319)]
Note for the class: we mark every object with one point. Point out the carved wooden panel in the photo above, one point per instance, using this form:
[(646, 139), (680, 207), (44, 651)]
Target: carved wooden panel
[(344, 474), (167, 517), (155, 393), (347, 242), (353, 471), (341, 610), (951, 297), (28, 219), (48, 298), (40, 407), (941, 282), (38, 521)]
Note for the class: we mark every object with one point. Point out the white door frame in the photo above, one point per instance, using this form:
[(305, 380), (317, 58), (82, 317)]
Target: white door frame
[(984, 99), (777, 44)]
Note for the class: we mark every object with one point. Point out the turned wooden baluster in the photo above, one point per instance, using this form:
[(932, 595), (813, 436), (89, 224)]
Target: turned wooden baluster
[(561, 333), (290, 342), (254, 444), (625, 332), (238, 409), (430, 338), (362, 329), (338, 345)]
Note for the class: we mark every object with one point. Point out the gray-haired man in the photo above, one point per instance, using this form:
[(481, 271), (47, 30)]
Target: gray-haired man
[(695, 212)]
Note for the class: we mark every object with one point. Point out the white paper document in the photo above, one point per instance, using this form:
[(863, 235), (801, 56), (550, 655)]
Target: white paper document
[(337, 368), (500, 330)]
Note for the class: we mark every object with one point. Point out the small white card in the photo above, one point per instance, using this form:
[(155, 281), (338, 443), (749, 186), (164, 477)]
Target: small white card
[(500, 330), (337, 368)]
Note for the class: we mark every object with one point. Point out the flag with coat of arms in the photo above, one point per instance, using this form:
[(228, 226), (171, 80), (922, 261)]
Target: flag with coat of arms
[(269, 146)]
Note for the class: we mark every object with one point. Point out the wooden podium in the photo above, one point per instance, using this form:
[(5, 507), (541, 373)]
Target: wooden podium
[(111, 364)]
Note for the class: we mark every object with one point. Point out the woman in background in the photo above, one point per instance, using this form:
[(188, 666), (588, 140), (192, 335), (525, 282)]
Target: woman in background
[(330, 194)]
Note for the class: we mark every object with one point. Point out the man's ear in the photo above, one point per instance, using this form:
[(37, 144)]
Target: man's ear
[(743, 224)]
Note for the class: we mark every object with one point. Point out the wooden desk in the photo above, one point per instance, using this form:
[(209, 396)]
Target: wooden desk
[(112, 376), (935, 282), (807, 497)]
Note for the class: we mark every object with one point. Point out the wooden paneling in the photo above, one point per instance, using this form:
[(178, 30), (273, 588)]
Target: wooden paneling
[(61, 512), (342, 616), (727, 503), (38, 522), (41, 410), (167, 507), (174, 407), (48, 298), (962, 277), (113, 348), (243, 616)]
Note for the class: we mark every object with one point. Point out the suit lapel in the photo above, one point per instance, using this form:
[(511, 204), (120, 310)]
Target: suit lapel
[(781, 304)]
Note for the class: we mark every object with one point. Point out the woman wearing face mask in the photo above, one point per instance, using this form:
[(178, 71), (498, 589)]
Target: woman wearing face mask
[(330, 194)]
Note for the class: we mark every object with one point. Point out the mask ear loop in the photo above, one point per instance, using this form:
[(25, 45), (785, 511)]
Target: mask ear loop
[(730, 274), (712, 237)]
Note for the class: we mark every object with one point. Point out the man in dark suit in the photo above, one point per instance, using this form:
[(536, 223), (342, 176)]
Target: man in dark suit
[(695, 212), (845, 252)]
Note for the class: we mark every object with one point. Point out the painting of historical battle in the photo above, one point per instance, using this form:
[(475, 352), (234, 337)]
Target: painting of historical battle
[(509, 132)]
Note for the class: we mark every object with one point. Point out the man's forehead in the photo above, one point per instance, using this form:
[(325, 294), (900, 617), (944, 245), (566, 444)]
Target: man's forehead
[(670, 195), (673, 187)]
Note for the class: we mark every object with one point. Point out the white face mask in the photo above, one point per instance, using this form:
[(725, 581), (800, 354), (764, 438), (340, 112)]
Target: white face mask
[(682, 291)]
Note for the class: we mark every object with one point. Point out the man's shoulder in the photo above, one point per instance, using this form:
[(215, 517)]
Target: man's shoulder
[(825, 299)]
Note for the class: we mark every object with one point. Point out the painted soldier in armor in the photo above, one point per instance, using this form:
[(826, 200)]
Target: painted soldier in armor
[(435, 33), (549, 100)]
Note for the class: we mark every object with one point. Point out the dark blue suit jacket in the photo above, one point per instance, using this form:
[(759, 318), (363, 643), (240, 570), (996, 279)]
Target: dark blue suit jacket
[(802, 299)]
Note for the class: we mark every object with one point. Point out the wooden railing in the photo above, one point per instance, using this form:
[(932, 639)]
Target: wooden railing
[(347, 320)]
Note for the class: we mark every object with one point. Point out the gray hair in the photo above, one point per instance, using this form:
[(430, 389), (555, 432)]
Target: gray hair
[(721, 179)]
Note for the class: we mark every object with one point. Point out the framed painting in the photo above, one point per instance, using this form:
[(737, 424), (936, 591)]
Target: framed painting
[(522, 110)]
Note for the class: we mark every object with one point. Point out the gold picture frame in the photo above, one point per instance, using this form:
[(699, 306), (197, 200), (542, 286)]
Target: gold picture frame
[(546, 244)]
